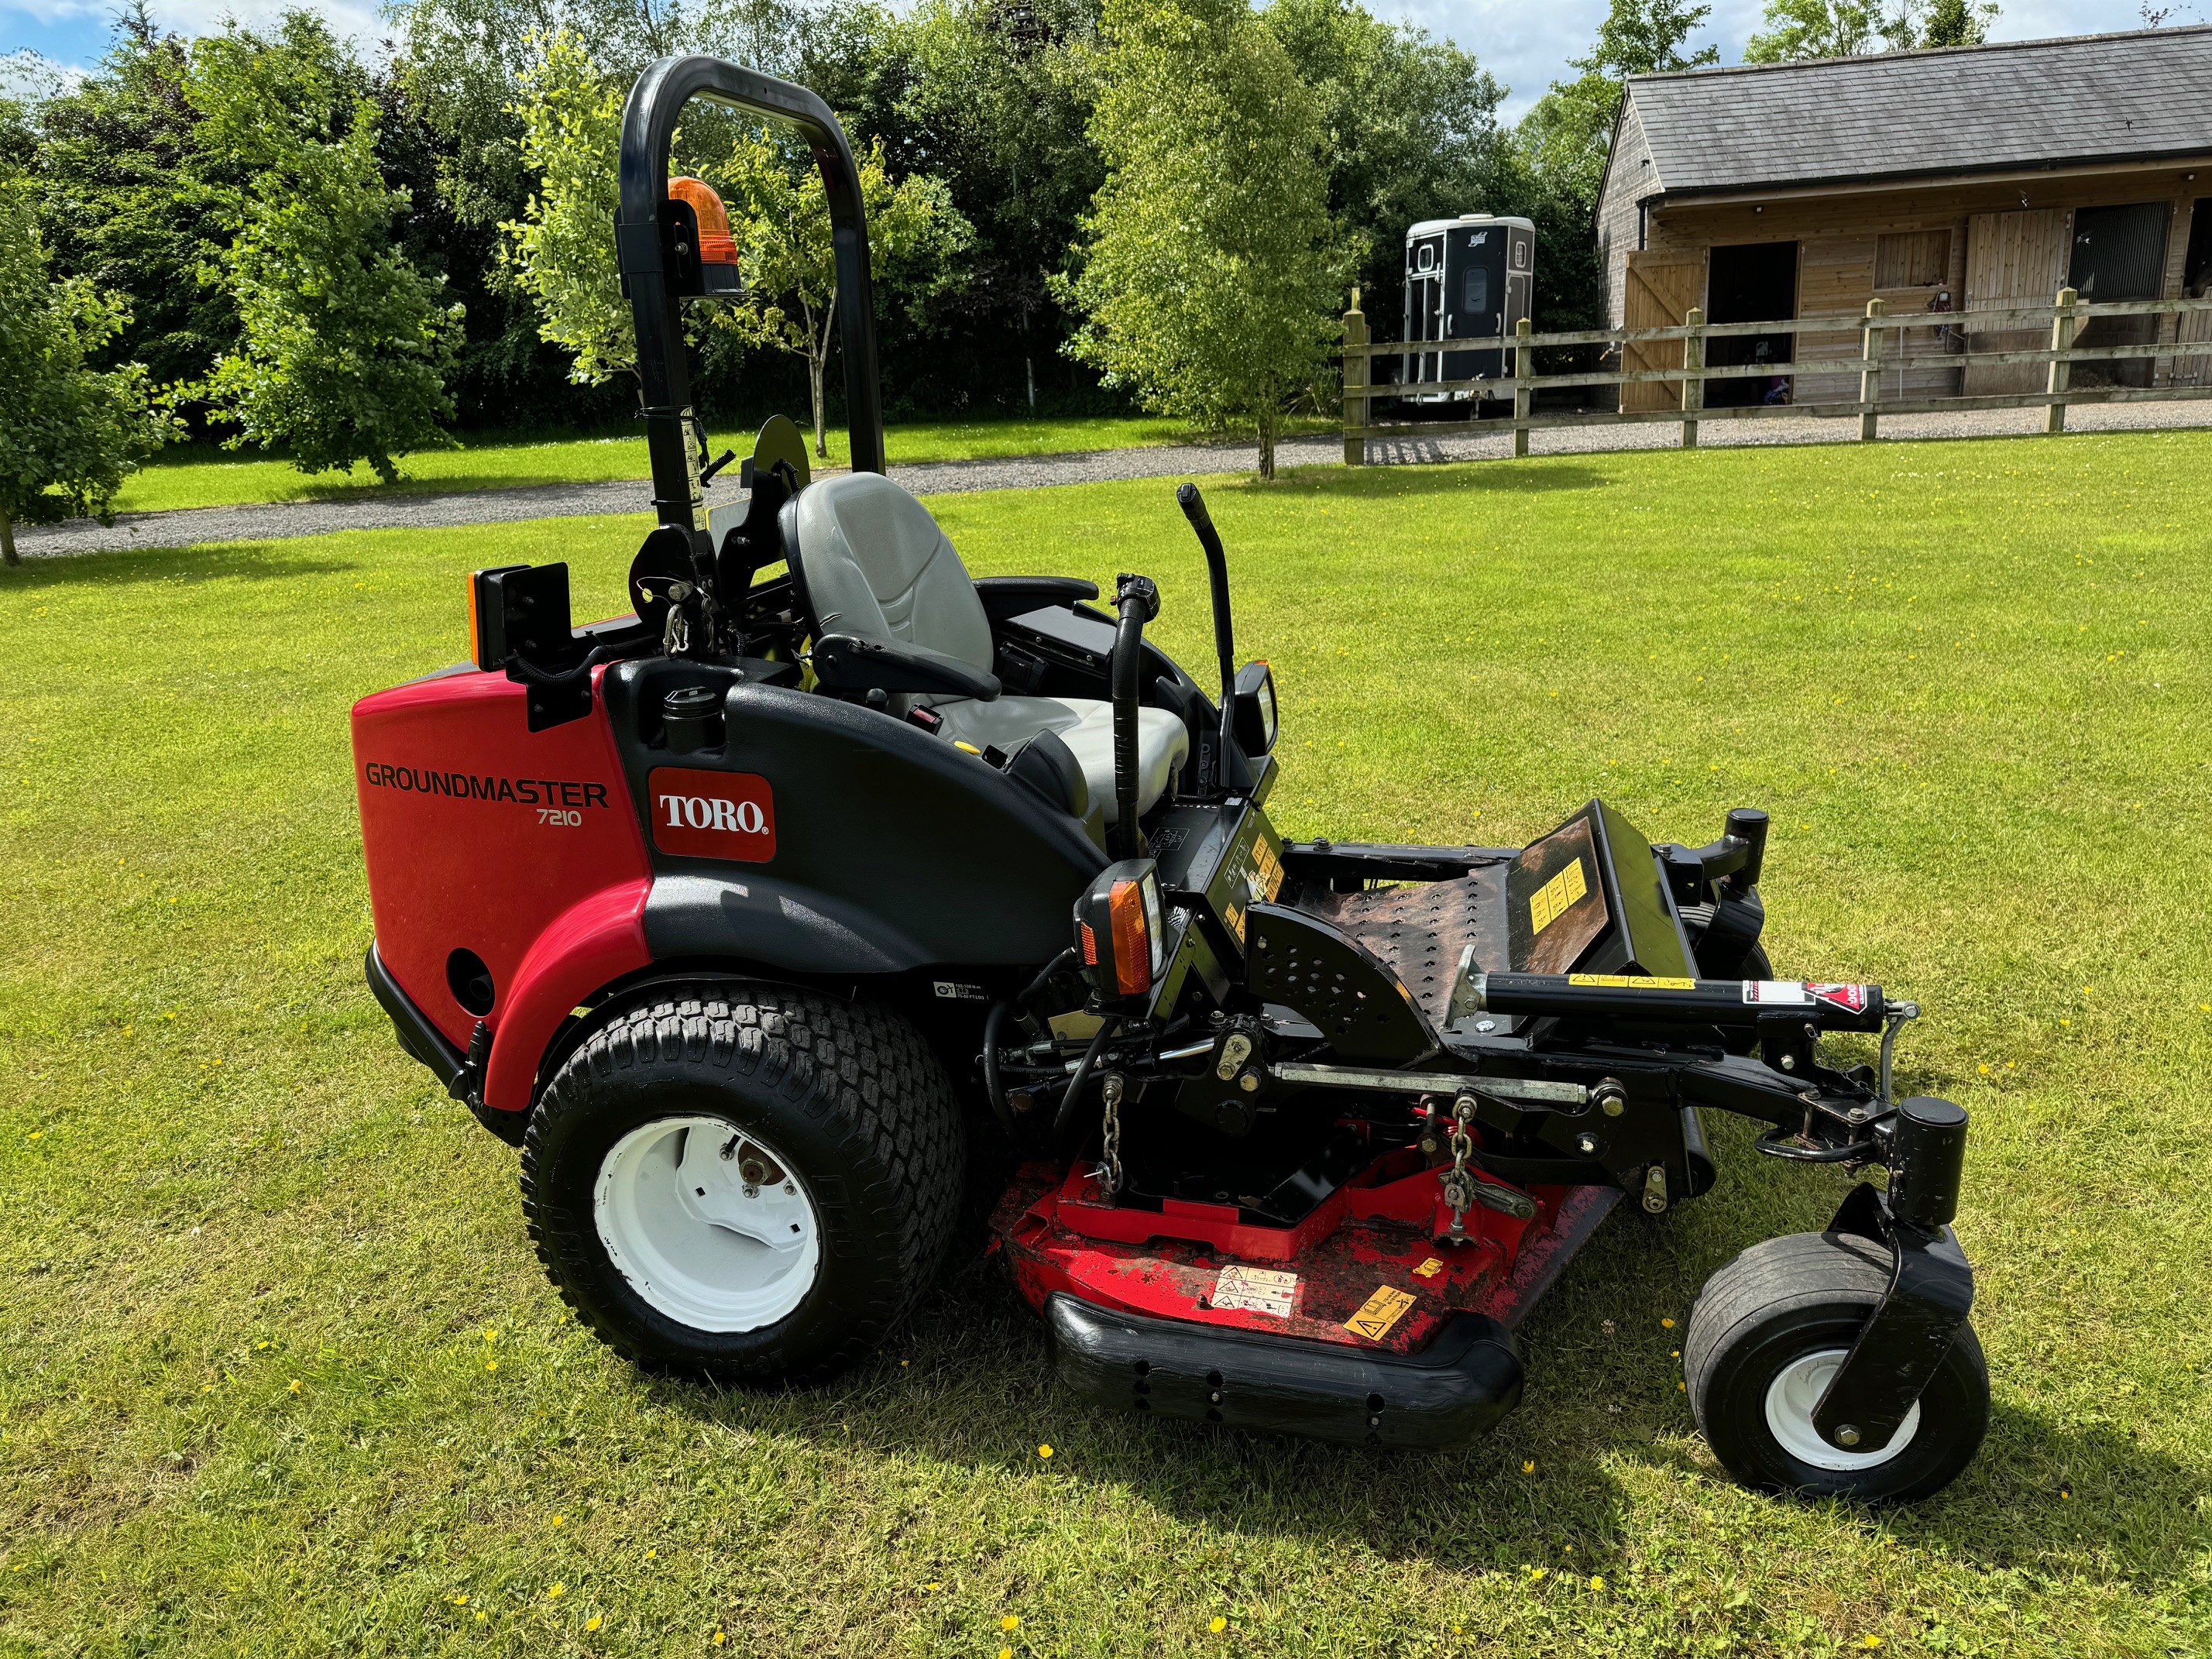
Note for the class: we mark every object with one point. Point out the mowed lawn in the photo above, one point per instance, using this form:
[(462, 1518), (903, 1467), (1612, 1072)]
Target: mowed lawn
[(279, 1375), (204, 475)]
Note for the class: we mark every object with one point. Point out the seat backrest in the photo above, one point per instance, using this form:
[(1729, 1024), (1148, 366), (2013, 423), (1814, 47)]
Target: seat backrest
[(876, 567)]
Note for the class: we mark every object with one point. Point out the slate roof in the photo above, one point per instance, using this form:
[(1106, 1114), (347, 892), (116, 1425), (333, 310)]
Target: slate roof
[(2084, 100)]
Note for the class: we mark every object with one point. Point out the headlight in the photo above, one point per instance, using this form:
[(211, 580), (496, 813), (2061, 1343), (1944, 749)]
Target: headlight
[(1120, 929), (1255, 709)]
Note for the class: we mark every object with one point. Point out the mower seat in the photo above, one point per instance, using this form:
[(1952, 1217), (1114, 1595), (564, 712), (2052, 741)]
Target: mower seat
[(874, 564)]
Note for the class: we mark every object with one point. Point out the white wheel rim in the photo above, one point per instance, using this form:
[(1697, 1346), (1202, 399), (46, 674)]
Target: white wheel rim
[(709, 1224), (1789, 1401)]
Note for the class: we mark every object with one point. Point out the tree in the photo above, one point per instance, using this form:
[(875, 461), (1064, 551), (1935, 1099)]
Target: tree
[(779, 220), (69, 434), (1950, 23), (346, 345), (133, 202), (1210, 268), (1410, 123), (1832, 28), (561, 251)]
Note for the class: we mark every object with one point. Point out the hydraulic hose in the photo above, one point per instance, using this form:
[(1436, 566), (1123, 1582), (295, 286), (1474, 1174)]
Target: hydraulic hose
[(1076, 1084), (995, 1023)]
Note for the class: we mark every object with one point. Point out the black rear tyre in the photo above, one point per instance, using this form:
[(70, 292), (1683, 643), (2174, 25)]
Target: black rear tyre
[(744, 1180), (1768, 1329)]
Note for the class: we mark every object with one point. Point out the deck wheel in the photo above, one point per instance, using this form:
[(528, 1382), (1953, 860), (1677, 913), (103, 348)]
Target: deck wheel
[(1768, 1331)]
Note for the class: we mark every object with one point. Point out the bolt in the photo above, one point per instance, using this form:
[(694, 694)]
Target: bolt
[(1586, 1145), (1613, 1105), (1858, 1113), (1215, 1397), (1374, 1422), (1788, 1062), (1429, 1145), (1486, 1025), (791, 1188), (1249, 1083), (1847, 1436)]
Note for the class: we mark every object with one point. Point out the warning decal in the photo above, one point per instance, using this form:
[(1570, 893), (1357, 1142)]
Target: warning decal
[(1379, 1313), (1556, 896), (1782, 991), (1430, 1268), (1632, 982), (1851, 998), (1256, 1290)]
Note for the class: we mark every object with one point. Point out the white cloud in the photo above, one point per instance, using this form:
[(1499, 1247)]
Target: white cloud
[(191, 17)]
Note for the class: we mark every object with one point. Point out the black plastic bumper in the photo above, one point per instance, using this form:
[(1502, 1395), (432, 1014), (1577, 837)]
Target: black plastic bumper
[(418, 1036), (1466, 1380)]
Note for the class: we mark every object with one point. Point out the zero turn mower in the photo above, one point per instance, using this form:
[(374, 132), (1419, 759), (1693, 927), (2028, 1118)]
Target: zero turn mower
[(755, 915)]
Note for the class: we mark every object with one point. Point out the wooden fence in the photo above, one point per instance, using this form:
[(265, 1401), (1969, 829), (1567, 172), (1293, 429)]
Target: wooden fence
[(2191, 376)]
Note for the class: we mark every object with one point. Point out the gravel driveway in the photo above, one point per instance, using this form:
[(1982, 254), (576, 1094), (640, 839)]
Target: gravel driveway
[(190, 526)]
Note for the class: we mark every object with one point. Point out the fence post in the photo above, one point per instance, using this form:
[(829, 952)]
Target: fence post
[(1523, 365), (1871, 339), (1693, 379), (2062, 339), (1356, 374)]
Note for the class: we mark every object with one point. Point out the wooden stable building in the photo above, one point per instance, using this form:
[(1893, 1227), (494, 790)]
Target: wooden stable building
[(1948, 182)]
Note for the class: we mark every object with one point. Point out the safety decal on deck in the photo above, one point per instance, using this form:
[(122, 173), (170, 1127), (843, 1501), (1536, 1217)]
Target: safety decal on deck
[(1380, 1312), (1256, 1289), (1851, 998), (1632, 981), (1266, 871), (1789, 991), (1430, 1268), (1556, 897)]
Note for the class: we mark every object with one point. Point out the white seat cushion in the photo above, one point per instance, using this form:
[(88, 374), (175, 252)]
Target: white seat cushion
[(876, 566), (1086, 726)]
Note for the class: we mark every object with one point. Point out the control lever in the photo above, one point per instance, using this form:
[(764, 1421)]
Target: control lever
[(1229, 768), (1138, 599)]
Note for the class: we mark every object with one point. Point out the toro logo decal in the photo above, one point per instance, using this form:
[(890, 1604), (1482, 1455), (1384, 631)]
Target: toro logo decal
[(1851, 998), (713, 815)]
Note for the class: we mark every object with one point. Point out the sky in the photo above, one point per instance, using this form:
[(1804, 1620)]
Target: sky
[(1524, 42)]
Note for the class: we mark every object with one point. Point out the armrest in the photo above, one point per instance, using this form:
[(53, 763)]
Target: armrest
[(846, 664), (1010, 596)]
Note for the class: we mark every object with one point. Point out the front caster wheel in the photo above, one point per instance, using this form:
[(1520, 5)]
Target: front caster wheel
[(743, 1179), (1768, 1332)]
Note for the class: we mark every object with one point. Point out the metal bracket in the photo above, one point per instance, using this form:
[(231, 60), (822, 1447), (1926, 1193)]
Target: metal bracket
[(1931, 1290)]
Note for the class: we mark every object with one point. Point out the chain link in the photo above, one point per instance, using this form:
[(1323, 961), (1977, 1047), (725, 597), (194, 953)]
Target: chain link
[(1459, 1185), (1110, 1169)]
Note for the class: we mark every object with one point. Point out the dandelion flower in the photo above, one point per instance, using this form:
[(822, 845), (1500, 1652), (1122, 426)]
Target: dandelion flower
[(719, 1637), (1597, 1581), (1528, 1468), (1870, 1641), (482, 1617), (1005, 1653), (1044, 1451), (1985, 1071), (557, 1592), (1012, 1621), (460, 1600), (1665, 1324), (1537, 1573), (491, 1364), (593, 1622), (933, 1586), (649, 1554), (1682, 1387), (558, 1519), (1216, 1624), (295, 1385)]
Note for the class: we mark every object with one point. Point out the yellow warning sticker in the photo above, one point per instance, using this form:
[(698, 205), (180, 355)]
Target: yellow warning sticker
[(1556, 896), (1266, 871), (1632, 982), (1430, 1268), (1380, 1312)]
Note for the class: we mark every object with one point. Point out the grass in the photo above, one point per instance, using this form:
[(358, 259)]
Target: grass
[(281, 1376), (202, 476)]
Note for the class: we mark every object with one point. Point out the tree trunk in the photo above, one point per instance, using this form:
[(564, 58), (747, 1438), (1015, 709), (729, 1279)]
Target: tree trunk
[(817, 364), (1267, 445), (7, 540)]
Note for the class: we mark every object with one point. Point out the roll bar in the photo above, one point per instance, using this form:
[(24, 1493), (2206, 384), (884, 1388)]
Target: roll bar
[(643, 230)]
